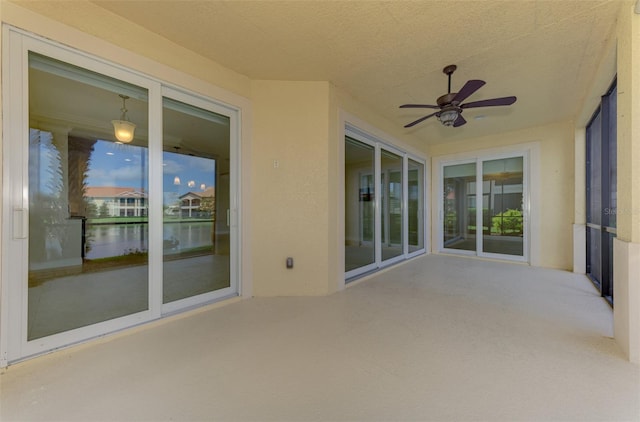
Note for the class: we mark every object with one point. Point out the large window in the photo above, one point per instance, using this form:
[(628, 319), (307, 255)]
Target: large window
[(601, 170), (105, 231), (483, 207), (384, 204)]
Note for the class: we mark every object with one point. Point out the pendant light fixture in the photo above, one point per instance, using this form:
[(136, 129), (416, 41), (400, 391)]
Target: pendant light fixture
[(123, 128)]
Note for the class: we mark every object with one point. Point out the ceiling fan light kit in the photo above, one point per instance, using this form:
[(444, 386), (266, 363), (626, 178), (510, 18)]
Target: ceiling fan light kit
[(450, 104), (448, 117)]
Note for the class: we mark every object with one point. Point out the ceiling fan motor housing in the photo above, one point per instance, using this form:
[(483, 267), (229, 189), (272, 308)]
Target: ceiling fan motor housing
[(446, 99)]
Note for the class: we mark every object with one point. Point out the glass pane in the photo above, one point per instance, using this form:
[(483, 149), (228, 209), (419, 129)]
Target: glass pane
[(391, 201), (502, 197), (594, 258), (359, 204), (195, 201), (459, 201), (88, 235), (416, 206)]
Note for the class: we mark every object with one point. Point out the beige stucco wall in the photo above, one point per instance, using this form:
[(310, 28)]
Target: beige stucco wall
[(290, 187), (556, 181), (628, 125), (627, 245)]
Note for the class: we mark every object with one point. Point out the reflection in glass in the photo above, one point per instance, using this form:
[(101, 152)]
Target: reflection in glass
[(391, 202), (195, 201), (359, 204), (502, 197), (460, 207), (88, 238), (416, 215)]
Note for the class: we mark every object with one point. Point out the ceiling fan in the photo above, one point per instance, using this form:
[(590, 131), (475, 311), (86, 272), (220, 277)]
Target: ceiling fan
[(450, 104)]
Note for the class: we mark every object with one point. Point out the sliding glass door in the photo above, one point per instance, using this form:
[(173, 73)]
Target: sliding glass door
[(483, 207), (119, 198), (384, 204)]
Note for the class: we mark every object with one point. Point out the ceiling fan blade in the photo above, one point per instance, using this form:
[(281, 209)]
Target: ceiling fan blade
[(459, 121), (419, 106), (469, 88), (421, 119), (491, 102)]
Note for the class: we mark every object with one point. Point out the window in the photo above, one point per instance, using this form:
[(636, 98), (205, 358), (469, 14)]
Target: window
[(384, 204), (601, 193)]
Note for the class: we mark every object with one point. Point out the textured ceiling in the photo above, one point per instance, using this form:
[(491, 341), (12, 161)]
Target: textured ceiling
[(386, 53)]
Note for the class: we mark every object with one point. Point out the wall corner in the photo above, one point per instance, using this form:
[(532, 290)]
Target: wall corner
[(626, 293)]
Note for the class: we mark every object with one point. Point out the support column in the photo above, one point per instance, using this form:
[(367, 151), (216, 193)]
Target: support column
[(626, 271)]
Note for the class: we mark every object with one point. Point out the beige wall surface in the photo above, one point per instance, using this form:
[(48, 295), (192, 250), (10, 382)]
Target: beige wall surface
[(556, 181), (290, 187), (628, 218), (626, 263)]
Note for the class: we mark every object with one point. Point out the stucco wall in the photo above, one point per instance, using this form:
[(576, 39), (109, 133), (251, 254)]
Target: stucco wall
[(626, 282), (628, 218), (290, 189)]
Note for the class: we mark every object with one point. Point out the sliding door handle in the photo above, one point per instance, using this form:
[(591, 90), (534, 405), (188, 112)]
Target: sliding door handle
[(20, 223)]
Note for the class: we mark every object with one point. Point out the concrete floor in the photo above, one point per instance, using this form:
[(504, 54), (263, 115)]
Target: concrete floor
[(439, 338)]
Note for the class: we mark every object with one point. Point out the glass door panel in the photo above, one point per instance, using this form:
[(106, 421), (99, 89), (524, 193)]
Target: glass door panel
[(502, 213), (196, 236), (391, 204), (459, 203), (88, 199), (359, 205), (415, 211)]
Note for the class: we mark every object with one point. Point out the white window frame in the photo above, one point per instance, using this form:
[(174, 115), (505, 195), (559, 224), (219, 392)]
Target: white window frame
[(16, 45), (531, 198), (379, 143)]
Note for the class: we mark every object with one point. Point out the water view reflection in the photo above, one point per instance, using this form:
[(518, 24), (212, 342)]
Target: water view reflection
[(108, 240)]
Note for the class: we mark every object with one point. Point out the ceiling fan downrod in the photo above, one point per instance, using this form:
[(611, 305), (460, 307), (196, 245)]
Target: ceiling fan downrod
[(448, 70)]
